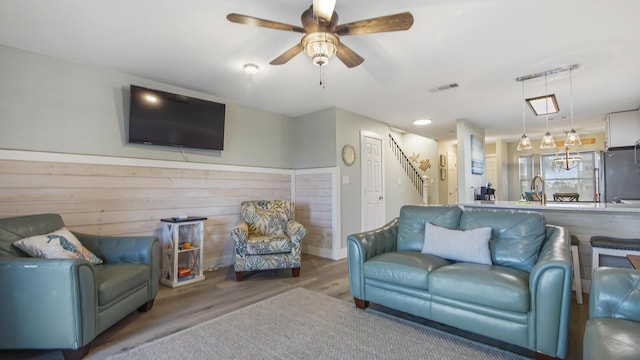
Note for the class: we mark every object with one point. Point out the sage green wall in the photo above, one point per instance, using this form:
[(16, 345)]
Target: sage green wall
[(314, 140), (348, 129), (52, 105)]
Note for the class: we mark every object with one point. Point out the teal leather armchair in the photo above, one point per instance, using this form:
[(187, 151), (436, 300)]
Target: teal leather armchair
[(613, 329), (65, 303)]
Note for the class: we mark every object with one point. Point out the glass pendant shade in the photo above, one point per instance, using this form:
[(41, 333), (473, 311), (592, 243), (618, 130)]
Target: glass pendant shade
[(524, 143), (573, 138), (547, 141)]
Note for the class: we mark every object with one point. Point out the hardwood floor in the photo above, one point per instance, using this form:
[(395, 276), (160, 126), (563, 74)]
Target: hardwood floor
[(180, 308)]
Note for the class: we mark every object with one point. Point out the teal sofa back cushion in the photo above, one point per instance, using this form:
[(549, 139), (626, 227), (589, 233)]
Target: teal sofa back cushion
[(413, 219), (516, 236)]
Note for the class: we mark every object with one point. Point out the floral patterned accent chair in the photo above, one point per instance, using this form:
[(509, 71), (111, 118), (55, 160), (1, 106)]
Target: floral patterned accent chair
[(267, 237)]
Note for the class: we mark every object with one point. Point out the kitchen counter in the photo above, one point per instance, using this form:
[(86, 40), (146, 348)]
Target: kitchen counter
[(583, 220), (561, 206)]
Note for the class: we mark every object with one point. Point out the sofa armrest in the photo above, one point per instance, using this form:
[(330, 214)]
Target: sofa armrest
[(364, 246), (615, 293), (47, 303), (550, 287), (295, 230), (239, 235)]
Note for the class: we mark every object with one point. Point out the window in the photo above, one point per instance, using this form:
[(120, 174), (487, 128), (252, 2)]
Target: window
[(525, 171), (581, 179)]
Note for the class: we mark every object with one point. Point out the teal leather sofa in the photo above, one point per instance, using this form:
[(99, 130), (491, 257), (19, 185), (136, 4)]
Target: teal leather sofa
[(65, 303), (522, 298), (613, 328)]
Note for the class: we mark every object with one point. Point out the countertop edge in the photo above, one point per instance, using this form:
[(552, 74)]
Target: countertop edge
[(556, 206)]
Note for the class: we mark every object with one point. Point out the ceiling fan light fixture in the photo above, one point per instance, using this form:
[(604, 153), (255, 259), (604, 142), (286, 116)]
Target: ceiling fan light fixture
[(320, 47)]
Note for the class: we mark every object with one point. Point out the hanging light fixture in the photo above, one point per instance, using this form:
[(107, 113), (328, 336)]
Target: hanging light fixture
[(320, 47), (573, 138), (524, 143), (547, 140), (567, 160)]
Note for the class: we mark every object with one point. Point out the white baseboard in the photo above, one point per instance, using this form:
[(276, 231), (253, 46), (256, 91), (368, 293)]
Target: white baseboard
[(333, 254)]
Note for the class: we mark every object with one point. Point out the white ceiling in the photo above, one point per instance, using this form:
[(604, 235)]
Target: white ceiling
[(482, 45)]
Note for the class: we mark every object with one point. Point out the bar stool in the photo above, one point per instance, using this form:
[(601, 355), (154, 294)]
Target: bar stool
[(605, 245), (577, 280)]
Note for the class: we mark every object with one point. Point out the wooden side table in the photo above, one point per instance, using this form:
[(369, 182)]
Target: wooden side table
[(182, 241)]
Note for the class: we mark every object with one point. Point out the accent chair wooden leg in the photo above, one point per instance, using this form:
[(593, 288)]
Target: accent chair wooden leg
[(146, 306), (295, 272), (76, 354), (361, 304), (239, 275)]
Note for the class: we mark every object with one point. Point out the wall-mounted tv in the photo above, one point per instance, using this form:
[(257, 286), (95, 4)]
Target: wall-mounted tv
[(161, 118)]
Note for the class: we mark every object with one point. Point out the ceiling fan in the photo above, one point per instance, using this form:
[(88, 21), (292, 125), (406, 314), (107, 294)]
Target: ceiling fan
[(320, 26)]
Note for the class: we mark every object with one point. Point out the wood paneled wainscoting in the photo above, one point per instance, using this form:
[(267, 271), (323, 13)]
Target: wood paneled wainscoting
[(125, 196)]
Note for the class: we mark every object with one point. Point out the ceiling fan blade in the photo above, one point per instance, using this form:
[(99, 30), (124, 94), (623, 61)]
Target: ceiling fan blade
[(287, 55), (402, 21), (254, 21), (348, 56), (323, 8)]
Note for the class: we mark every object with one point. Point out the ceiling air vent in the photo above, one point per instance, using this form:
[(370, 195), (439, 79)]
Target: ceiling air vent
[(444, 87)]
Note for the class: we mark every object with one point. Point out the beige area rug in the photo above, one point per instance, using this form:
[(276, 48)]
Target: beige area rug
[(302, 324)]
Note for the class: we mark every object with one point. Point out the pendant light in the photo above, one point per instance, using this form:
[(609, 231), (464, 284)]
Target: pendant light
[(573, 138), (524, 143), (547, 140)]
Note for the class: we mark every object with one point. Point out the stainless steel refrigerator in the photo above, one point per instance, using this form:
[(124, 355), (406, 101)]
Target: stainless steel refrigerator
[(621, 174)]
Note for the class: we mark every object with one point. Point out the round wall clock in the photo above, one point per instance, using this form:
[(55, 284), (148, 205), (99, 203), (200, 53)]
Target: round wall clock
[(348, 154)]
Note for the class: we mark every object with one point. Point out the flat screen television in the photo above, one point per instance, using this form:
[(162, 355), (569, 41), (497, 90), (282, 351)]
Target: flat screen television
[(161, 118)]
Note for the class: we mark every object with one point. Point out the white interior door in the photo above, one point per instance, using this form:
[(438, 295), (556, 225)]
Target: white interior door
[(372, 181), (452, 178)]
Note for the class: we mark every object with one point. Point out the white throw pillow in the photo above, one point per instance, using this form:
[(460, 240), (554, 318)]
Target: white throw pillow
[(59, 244), (467, 246)]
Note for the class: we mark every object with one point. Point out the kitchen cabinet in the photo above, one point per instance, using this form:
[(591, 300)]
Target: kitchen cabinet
[(623, 129)]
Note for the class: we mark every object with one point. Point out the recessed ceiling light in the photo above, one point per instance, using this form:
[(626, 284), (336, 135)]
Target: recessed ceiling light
[(251, 68), (422, 122)]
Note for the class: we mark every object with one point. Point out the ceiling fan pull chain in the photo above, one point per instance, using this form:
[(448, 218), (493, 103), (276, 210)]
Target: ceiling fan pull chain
[(322, 83)]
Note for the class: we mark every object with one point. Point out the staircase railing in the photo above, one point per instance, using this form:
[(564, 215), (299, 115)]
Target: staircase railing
[(419, 182)]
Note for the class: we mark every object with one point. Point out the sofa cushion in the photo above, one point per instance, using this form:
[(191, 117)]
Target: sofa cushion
[(275, 244), (606, 338), (58, 244), (516, 236), (118, 280), (458, 245), (413, 219), (494, 286), (406, 268)]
